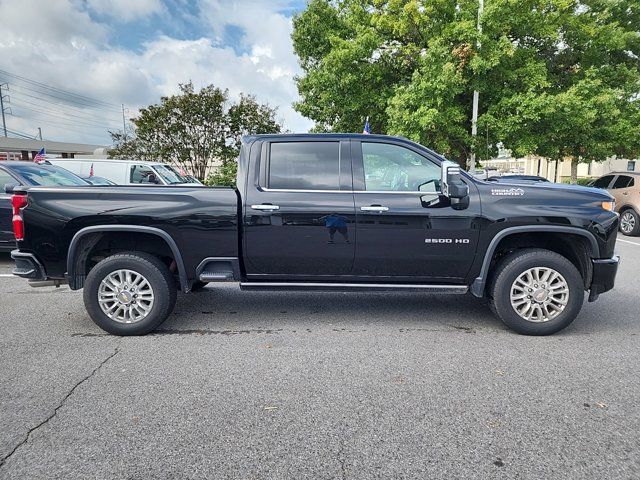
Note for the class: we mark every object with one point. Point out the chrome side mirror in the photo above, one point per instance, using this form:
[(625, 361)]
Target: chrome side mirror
[(453, 186)]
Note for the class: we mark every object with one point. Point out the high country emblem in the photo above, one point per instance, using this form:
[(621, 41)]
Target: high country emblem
[(507, 192)]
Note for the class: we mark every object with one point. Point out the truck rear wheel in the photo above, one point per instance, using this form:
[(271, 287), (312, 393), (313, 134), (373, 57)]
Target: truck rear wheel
[(129, 293), (536, 291)]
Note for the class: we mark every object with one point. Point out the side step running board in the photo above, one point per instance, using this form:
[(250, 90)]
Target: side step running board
[(354, 287), (216, 276)]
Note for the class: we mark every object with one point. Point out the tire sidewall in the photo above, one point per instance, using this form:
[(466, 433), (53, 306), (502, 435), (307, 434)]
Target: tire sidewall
[(515, 267), (636, 227), (163, 291)]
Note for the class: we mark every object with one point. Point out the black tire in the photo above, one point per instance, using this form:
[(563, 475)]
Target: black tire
[(156, 274), (630, 223), (516, 264), (198, 286)]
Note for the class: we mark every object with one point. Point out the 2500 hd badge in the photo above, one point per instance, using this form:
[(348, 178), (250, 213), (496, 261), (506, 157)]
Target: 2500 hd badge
[(446, 240)]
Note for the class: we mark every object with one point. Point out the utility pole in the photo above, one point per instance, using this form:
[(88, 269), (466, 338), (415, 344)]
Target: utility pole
[(4, 121), (124, 124), (476, 99), (40, 133)]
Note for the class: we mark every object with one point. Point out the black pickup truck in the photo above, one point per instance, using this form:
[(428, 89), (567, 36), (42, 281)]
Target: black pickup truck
[(330, 212)]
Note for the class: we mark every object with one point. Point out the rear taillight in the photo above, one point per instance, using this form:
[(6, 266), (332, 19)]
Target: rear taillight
[(18, 202)]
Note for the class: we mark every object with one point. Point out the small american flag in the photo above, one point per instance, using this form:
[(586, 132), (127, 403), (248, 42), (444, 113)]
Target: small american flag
[(367, 127), (40, 157)]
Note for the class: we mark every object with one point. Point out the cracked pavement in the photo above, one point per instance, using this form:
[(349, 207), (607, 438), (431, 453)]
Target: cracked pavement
[(318, 385)]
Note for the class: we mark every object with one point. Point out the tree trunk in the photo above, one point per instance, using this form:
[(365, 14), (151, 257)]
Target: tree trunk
[(574, 170)]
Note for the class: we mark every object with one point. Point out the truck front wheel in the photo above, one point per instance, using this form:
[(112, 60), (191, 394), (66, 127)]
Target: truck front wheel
[(536, 291), (129, 293)]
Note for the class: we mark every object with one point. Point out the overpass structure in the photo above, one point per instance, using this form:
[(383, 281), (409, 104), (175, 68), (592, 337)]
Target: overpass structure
[(26, 149)]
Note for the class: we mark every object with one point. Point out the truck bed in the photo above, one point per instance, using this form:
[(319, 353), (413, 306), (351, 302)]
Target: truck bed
[(203, 221)]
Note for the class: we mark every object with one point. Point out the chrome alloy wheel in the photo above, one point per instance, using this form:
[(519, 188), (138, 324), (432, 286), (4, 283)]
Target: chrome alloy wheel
[(627, 222), (125, 296), (539, 294)]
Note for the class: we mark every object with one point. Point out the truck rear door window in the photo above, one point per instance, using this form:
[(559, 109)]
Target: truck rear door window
[(304, 166)]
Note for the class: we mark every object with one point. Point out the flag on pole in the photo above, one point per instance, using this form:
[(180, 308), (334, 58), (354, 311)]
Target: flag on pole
[(40, 157), (91, 171), (367, 127)]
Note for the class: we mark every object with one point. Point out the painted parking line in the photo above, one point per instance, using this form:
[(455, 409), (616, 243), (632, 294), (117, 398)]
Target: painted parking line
[(628, 241), (6, 275)]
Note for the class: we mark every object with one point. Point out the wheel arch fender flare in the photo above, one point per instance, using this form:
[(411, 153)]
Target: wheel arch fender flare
[(80, 234), (479, 284)]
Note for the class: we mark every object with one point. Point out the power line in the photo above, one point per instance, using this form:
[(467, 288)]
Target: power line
[(20, 134), (63, 115), (77, 96), (82, 109), (94, 136), (40, 116), (73, 127)]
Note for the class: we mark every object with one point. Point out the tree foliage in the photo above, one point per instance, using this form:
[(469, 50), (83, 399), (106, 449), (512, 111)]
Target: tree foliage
[(195, 129), (557, 78)]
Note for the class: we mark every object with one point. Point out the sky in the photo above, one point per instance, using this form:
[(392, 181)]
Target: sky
[(131, 52)]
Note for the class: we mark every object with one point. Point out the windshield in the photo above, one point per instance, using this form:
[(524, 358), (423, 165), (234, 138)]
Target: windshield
[(47, 175), (170, 175)]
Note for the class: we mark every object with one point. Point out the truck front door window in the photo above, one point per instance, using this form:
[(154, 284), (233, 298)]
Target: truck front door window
[(397, 169)]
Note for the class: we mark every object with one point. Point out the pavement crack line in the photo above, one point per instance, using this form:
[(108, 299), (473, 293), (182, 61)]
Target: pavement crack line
[(60, 405), (341, 460)]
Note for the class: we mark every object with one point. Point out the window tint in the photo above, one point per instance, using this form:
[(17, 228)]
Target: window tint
[(4, 179), (47, 175), (623, 181), (305, 166), (603, 182), (170, 174), (394, 168), (143, 174)]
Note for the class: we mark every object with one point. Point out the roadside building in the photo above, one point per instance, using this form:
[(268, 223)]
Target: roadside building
[(556, 171)]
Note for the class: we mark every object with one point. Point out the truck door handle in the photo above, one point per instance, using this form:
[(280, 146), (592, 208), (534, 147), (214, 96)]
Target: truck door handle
[(267, 207), (375, 208)]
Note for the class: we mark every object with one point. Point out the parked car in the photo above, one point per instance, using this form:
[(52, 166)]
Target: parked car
[(324, 212), (625, 188), (93, 180), (517, 179), (125, 172), (27, 174)]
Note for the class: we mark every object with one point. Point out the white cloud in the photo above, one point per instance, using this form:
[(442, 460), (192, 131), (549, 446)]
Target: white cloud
[(60, 45)]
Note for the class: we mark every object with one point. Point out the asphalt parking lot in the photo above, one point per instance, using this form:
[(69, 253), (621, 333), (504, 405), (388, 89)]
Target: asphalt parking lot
[(322, 385)]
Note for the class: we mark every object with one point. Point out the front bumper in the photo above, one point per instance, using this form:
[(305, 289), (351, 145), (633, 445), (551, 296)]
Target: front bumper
[(27, 266), (604, 276)]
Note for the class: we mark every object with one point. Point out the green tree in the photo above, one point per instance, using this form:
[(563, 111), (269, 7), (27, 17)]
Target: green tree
[(557, 78), (195, 129)]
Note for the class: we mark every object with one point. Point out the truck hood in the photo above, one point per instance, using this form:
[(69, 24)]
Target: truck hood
[(558, 188)]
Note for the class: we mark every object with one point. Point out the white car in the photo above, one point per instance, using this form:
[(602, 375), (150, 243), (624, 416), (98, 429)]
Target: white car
[(125, 172)]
